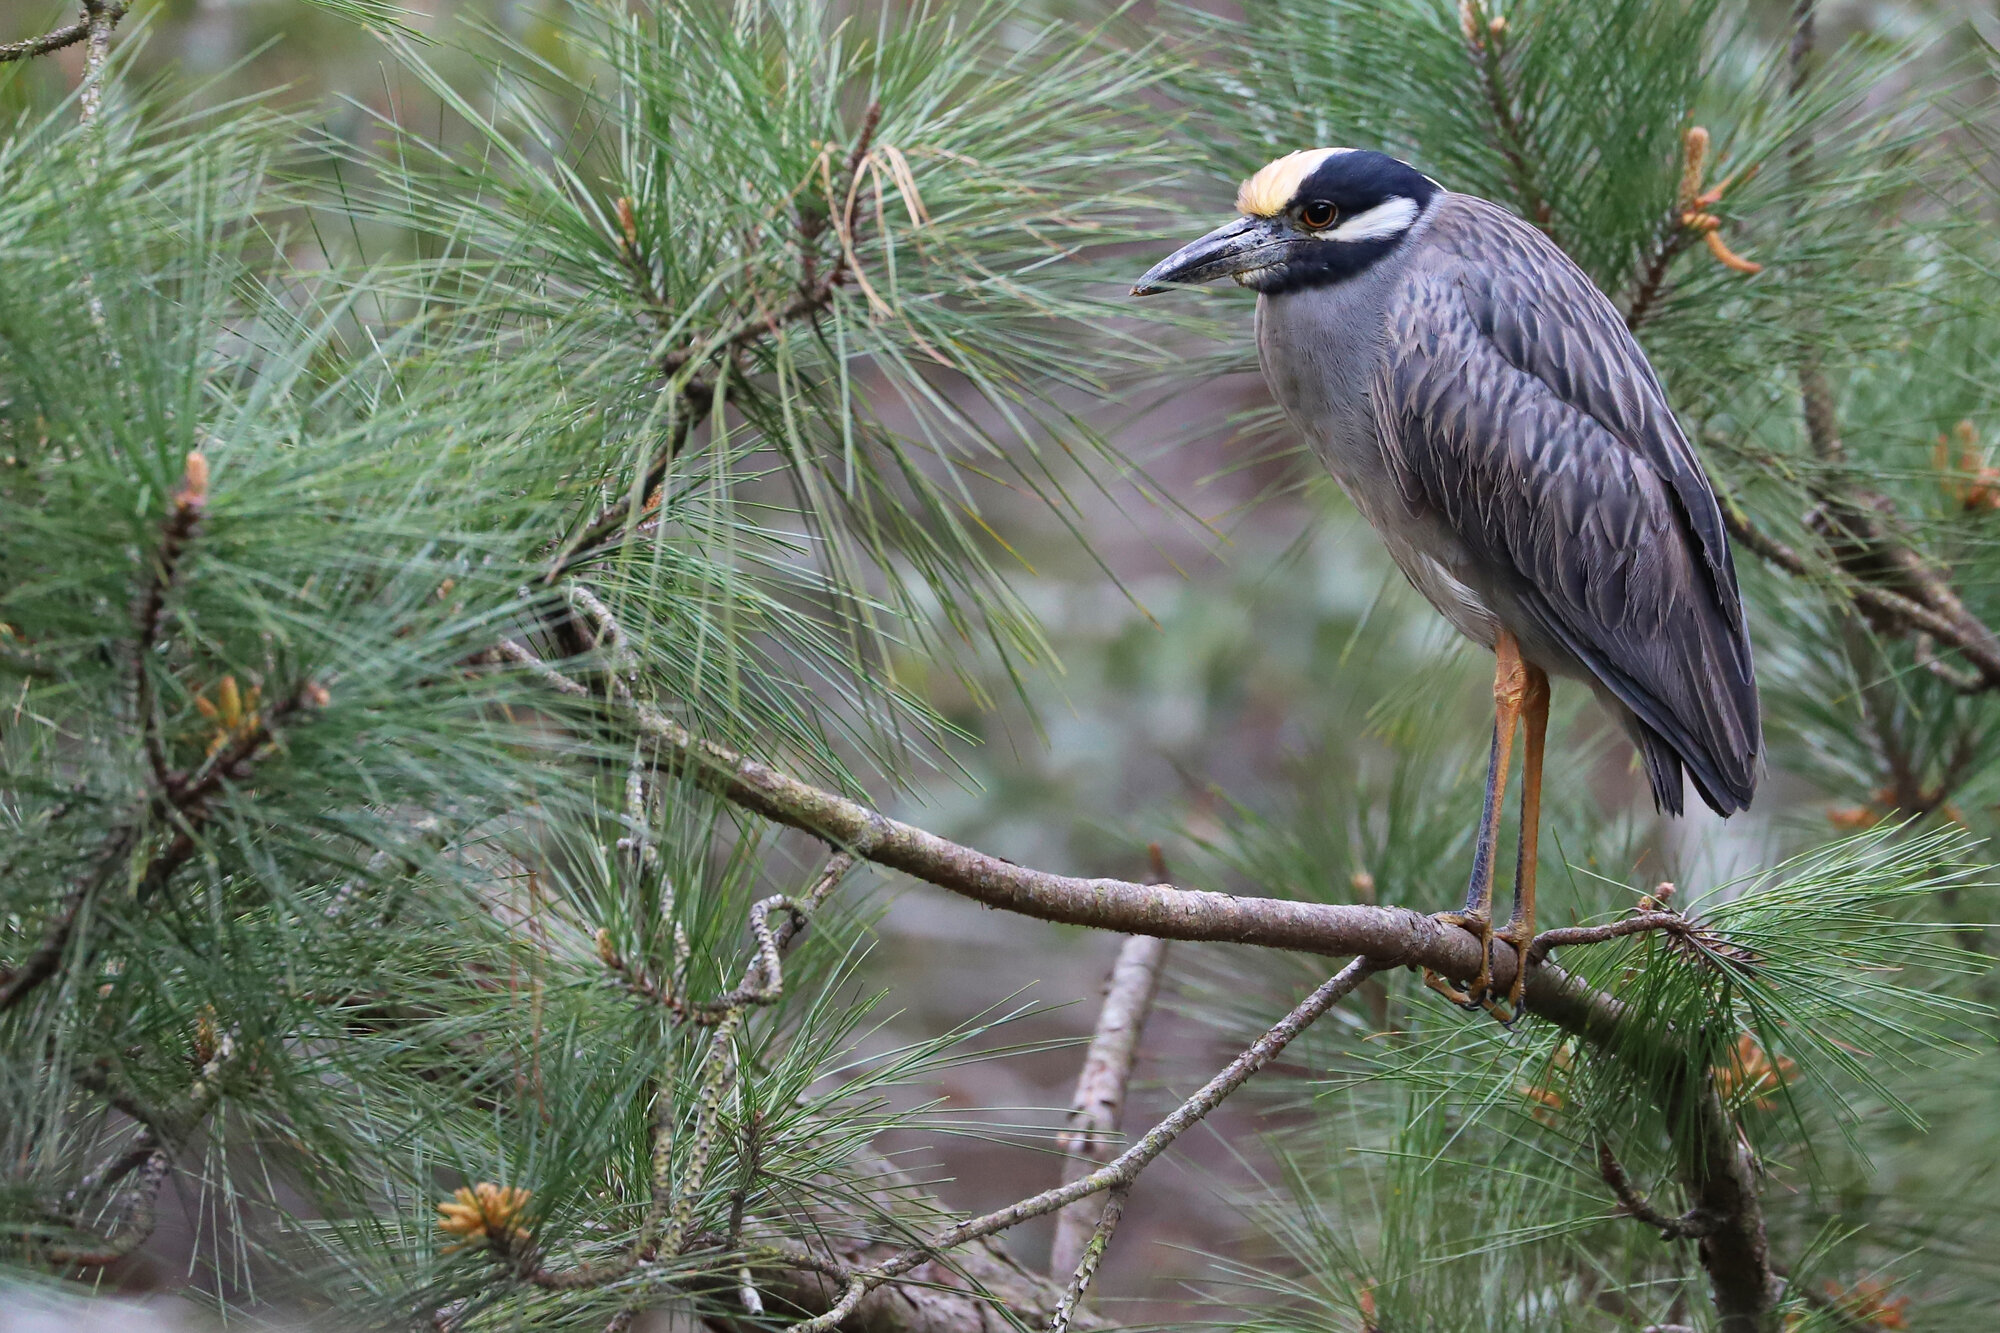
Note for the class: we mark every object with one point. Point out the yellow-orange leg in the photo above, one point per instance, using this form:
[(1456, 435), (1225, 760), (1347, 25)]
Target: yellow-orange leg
[(1520, 928), (1510, 692)]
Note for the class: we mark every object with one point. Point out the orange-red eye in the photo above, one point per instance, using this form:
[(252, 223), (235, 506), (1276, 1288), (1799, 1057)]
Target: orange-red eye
[(1317, 214)]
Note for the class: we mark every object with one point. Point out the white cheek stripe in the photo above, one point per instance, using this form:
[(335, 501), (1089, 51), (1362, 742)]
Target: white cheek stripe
[(1392, 217)]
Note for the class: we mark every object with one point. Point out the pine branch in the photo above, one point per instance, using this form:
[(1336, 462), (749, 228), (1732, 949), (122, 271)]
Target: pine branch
[(161, 1135), (1484, 37), (1887, 607), (1100, 1087), (135, 1224), (163, 574), (978, 1286), (1716, 1168), (1719, 1174), (1687, 1226), (185, 803), (1901, 589), (97, 14), (668, 1228), (42, 963), (1686, 221), (1391, 936), (1121, 1171), (1673, 241), (815, 295), (613, 520)]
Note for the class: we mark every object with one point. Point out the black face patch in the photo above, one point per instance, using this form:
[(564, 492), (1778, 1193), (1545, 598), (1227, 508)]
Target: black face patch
[(1355, 183), (1319, 263), (1358, 181)]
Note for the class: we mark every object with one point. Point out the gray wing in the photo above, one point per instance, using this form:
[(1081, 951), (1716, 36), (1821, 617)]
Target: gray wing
[(1516, 408)]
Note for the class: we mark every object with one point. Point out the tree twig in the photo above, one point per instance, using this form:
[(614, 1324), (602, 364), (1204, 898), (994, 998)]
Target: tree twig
[(1638, 924), (94, 12), (1101, 1086), (136, 1221), (1673, 241), (1716, 1169), (668, 1227), (611, 521), (161, 1134), (1689, 1225), (1123, 1169), (1484, 37), (815, 294), (1089, 1257)]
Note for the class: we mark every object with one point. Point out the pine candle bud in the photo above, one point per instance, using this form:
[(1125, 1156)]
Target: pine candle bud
[(1694, 147), (1752, 1073), (487, 1212), (193, 492)]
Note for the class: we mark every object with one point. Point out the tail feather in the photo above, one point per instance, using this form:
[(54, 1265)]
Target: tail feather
[(1664, 766), (1689, 703)]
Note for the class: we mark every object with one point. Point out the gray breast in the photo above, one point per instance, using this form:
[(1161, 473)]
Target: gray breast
[(1322, 349)]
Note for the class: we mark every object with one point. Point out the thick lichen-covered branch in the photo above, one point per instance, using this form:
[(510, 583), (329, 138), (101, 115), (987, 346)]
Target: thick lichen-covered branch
[(1882, 605)]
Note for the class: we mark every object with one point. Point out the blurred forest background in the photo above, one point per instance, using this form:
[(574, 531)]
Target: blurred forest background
[(1237, 664)]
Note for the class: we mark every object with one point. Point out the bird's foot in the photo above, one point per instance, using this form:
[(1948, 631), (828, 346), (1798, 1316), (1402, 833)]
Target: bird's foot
[(1519, 933), (1436, 981), (1475, 996)]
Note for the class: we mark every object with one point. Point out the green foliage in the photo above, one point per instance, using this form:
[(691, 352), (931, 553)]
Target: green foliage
[(304, 844), (675, 190), (751, 329), (1453, 1170)]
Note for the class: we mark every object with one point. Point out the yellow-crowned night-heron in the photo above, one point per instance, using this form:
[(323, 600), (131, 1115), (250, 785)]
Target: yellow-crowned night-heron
[(1484, 406)]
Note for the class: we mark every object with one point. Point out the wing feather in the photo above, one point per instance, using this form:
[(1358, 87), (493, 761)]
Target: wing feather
[(1517, 409)]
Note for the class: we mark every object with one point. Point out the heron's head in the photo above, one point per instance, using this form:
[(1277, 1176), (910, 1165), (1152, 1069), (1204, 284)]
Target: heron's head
[(1309, 218)]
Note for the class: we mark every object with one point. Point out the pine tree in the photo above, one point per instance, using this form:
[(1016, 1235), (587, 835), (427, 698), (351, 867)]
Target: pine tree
[(463, 597)]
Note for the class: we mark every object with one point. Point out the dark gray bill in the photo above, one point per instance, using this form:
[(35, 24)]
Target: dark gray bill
[(1234, 247)]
